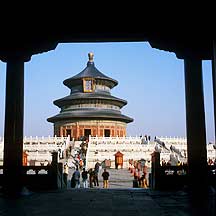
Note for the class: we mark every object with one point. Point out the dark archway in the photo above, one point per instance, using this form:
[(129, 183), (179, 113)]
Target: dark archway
[(193, 51)]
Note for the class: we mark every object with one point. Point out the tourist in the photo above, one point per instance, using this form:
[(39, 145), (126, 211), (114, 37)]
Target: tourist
[(65, 173), (163, 162), (81, 163), (77, 177), (135, 182), (95, 178), (96, 171), (73, 183), (91, 177), (85, 178), (146, 138), (97, 167), (105, 176), (144, 182)]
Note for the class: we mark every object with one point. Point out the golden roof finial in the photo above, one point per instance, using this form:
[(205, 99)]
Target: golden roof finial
[(91, 55)]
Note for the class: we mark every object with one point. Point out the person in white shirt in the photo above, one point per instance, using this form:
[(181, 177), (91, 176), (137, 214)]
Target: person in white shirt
[(65, 173)]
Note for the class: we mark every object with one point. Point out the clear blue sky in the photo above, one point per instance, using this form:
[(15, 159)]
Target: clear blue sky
[(151, 80)]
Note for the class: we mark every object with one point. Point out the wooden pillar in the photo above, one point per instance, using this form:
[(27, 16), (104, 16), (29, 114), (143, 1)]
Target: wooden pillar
[(57, 131), (13, 131), (97, 129), (78, 132), (195, 121), (214, 82)]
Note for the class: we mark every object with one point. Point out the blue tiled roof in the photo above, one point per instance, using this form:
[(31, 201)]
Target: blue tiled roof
[(92, 72)]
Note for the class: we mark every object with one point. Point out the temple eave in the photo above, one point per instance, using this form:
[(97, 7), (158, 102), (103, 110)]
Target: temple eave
[(60, 117), (69, 100), (73, 81)]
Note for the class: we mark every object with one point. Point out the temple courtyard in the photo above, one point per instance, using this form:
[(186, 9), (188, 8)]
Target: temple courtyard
[(119, 199)]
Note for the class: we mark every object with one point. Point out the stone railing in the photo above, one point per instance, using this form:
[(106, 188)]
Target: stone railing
[(136, 140), (174, 177), (87, 154), (41, 177), (180, 140), (48, 140), (42, 140), (116, 140)]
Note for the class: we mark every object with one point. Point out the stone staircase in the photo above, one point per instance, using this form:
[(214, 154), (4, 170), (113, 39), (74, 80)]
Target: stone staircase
[(106, 151)]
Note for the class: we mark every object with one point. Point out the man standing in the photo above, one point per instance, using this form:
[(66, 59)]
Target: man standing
[(85, 178), (96, 171), (76, 175), (91, 177), (105, 176)]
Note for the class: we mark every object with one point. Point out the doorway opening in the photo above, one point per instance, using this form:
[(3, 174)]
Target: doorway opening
[(68, 133), (87, 132), (107, 133)]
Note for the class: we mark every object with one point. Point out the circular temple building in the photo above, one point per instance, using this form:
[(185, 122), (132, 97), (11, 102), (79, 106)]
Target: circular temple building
[(90, 109)]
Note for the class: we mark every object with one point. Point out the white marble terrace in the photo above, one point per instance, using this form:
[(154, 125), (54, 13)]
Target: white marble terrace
[(101, 148), (40, 149), (136, 148)]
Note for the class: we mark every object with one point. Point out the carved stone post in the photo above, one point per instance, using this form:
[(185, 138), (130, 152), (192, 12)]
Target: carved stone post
[(155, 171)]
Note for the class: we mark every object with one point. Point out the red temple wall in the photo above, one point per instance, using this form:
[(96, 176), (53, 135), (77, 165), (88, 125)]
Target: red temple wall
[(97, 128)]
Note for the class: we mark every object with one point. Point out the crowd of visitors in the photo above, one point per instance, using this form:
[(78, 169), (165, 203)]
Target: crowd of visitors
[(140, 182), (89, 178)]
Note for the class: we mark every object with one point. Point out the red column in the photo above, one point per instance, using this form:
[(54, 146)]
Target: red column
[(195, 122), (13, 131)]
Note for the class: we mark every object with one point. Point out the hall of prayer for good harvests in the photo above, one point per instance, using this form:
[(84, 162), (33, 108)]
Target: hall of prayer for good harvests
[(90, 109)]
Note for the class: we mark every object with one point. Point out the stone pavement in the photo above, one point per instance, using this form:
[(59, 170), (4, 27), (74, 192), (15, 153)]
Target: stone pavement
[(106, 202), (120, 178), (119, 200)]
